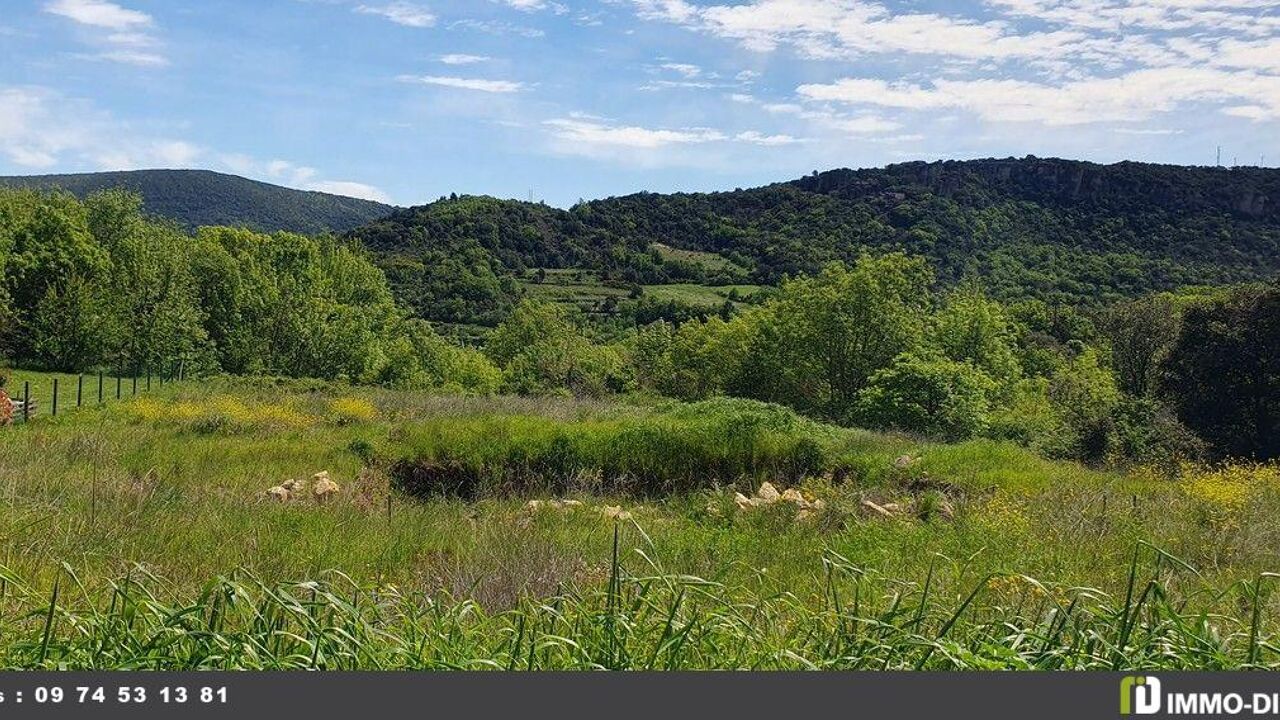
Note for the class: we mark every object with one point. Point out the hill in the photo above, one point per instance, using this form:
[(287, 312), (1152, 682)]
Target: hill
[(1059, 230), (202, 197)]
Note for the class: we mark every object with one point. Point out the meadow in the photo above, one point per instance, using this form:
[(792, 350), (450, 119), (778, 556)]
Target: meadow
[(507, 532)]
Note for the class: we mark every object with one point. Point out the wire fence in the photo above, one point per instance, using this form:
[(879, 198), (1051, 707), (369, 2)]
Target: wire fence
[(29, 402)]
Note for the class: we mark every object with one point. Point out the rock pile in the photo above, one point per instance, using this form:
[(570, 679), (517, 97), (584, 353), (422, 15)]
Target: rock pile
[(768, 495), (322, 488)]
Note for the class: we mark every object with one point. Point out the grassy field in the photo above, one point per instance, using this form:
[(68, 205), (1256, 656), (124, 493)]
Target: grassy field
[(699, 295), (589, 293), (710, 261), (140, 534)]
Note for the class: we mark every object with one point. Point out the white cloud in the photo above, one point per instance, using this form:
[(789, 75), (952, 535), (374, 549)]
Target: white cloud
[(99, 14), (685, 69), (302, 177), (133, 57), (40, 129), (350, 189), (401, 13), (848, 28), (593, 134), (581, 134), (495, 27), (463, 59), (824, 119), (1071, 38), (758, 138), (1132, 97), (534, 5), (489, 86), (121, 32)]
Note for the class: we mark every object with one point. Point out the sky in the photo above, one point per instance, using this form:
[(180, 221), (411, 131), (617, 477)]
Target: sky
[(559, 100)]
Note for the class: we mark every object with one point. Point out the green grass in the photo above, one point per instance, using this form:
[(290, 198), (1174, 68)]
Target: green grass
[(708, 260), (40, 386), (701, 295), (149, 518)]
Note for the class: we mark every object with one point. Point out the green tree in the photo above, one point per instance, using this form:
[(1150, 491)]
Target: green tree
[(835, 330), (935, 396), (1222, 375), (1139, 334), (69, 326), (972, 328)]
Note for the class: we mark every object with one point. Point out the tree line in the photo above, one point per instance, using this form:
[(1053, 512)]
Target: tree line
[(94, 284), (877, 342)]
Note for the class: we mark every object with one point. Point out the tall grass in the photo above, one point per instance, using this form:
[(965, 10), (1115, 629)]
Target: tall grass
[(681, 449), (639, 620), (139, 535)]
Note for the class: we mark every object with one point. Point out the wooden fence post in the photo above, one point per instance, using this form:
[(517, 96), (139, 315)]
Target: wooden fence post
[(117, 387), (99, 387), (26, 401), (55, 397)]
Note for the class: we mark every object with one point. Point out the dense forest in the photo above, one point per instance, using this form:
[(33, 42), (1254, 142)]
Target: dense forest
[(1055, 230), (196, 198)]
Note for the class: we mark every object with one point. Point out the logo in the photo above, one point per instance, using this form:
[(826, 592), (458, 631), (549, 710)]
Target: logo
[(1143, 695), (1139, 695)]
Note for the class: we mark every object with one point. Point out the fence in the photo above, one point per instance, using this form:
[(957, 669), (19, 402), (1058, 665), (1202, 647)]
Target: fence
[(26, 406)]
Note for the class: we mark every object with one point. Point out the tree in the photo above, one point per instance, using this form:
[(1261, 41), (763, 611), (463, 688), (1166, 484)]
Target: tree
[(1085, 396), (540, 350), (836, 329), (1222, 375), (1139, 334), (69, 326), (931, 395), (972, 328)]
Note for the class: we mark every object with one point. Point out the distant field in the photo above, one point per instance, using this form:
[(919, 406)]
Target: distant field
[(140, 535), (588, 292), (704, 295), (710, 261)]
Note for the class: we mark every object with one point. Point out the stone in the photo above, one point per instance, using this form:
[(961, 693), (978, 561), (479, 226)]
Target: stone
[(768, 493)]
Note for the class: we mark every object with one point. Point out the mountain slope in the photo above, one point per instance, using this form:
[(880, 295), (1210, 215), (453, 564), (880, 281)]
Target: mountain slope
[(1058, 230), (202, 197)]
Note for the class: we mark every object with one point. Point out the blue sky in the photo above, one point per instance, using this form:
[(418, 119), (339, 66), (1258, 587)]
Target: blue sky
[(405, 101)]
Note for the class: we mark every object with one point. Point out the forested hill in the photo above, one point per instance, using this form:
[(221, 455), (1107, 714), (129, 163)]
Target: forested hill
[(202, 197), (1054, 229)]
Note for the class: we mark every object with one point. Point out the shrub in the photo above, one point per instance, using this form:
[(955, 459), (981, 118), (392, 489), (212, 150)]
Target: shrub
[(929, 395)]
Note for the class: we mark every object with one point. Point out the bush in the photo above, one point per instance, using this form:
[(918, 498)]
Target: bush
[(929, 395)]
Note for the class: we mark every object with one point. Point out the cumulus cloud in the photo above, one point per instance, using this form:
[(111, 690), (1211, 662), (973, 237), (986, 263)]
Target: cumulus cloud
[(758, 138), (1056, 62), (848, 28), (599, 138), (477, 84)]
